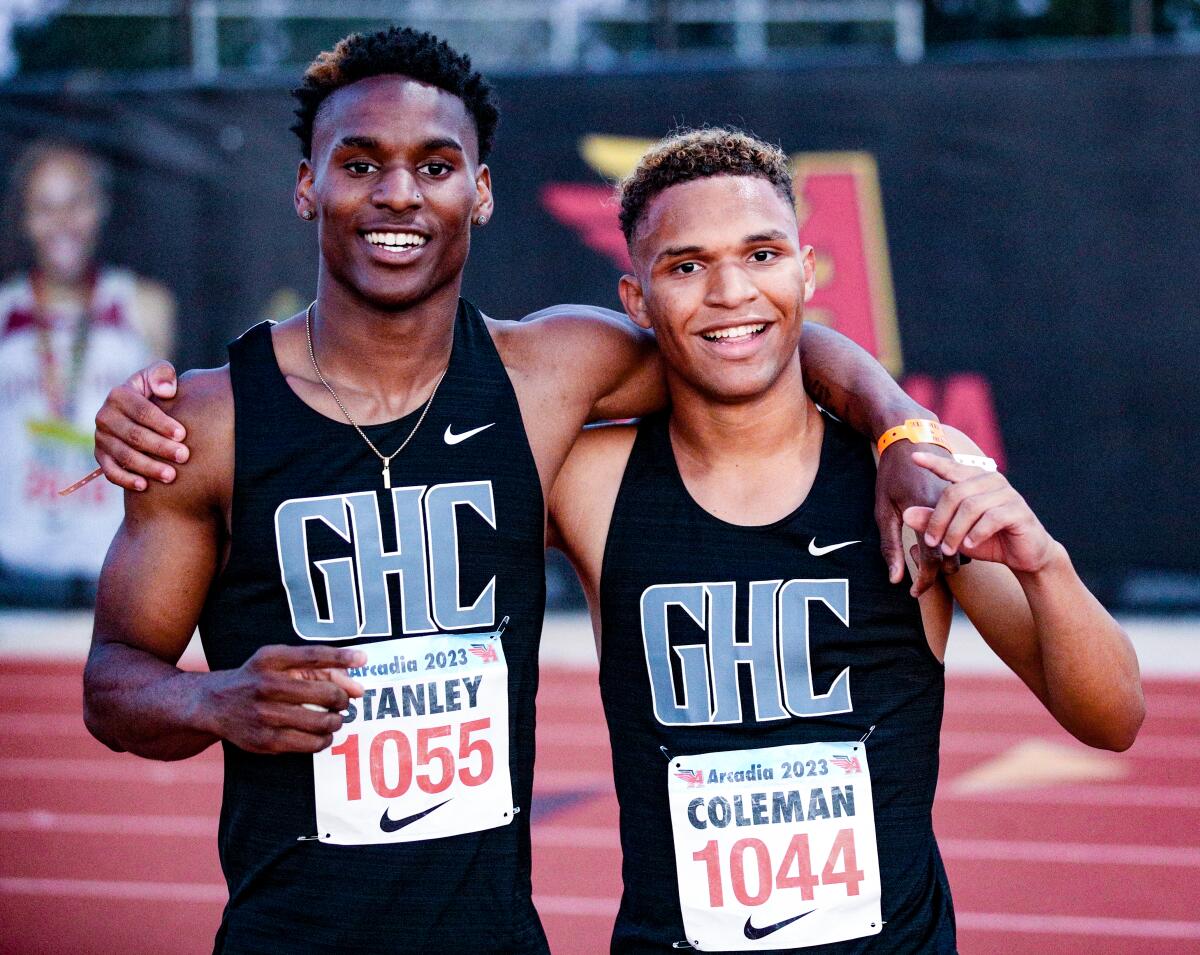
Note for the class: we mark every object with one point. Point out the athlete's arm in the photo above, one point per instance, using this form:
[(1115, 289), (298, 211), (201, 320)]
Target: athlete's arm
[(623, 378), (578, 363), (1025, 598), (152, 589)]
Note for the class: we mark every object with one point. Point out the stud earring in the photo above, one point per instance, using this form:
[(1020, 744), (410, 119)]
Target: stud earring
[(481, 220), (307, 214)]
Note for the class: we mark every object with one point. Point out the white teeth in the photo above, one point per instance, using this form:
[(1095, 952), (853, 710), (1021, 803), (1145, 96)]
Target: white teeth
[(738, 331), (396, 240)]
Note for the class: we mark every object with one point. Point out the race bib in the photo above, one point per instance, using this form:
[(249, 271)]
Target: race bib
[(424, 753), (775, 848)]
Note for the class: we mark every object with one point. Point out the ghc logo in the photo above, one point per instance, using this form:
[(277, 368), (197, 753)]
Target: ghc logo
[(355, 586), (709, 671)]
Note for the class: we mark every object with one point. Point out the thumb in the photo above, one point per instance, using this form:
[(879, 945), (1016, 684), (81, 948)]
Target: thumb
[(891, 545), (161, 379), (918, 517)]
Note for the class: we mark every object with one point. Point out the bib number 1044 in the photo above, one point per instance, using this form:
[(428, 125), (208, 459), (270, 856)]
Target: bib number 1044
[(394, 761), (750, 863)]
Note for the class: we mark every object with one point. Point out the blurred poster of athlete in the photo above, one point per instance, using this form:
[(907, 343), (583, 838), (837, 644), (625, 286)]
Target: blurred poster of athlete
[(71, 327)]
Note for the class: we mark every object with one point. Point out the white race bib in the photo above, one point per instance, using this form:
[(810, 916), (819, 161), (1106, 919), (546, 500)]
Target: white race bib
[(775, 848), (424, 753)]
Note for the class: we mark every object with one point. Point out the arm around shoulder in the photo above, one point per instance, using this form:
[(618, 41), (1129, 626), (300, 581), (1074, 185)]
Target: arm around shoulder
[(152, 588)]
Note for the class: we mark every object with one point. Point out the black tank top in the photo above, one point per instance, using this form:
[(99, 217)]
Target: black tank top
[(469, 892), (669, 682)]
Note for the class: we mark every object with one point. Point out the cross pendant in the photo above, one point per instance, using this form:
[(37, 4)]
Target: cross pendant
[(387, 475)]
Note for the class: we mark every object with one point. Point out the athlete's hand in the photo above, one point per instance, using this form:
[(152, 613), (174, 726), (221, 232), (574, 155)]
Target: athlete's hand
[(283, 699), (134, 437), (902, 484), (982, 516)]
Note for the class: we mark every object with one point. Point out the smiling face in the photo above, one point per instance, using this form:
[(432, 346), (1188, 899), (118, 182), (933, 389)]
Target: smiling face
[(64, 209), (722, 280), (395, 182)]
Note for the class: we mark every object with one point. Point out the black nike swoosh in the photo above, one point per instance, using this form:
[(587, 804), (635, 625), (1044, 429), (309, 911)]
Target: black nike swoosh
[(387, 824), (753, 933)]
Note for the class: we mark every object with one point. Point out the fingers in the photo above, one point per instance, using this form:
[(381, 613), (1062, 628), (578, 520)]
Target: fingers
[(159, 379), (917, 517), (343, 680), (290, 716), (993, 522), (314, 656), (117, 474), (976, 484), (929, 565), (946, 468), (967, 514), (271, 739), (127, 467), (129, 402), (324, 694), (891, 544)]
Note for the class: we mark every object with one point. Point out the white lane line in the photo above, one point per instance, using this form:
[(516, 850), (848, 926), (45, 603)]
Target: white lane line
[(1084, 853), (601, 837), (988, 742), (1076, 925), (44, 820), (1187, 797), (98, 889), (1020, 701), (606, 908), (576, 905), (130, 770)]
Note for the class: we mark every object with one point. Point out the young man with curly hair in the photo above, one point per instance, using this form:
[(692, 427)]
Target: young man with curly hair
[(773, 703), (365, 493)]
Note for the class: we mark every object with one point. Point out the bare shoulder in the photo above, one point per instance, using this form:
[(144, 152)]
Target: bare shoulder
[(590, 345), (583, 496), (203, 404)]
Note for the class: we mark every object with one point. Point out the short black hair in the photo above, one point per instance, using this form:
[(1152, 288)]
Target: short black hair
[(698, 154), (405, 52)]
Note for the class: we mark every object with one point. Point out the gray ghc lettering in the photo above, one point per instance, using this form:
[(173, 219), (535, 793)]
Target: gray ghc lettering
[(425, 561), (778, 625)]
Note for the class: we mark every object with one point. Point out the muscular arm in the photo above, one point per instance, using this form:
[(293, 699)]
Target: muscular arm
[(152, 589), (572, 364), (1025, 598)]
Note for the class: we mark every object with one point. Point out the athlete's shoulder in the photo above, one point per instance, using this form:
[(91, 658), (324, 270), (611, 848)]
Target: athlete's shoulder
[(585, 493), (593, 337), (203, 404)]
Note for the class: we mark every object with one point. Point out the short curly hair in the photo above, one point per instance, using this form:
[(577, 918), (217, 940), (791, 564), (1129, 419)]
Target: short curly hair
[(404, 52), (697, 154)]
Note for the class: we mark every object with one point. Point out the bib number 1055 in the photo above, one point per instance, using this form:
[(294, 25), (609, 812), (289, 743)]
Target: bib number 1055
[(432, 760), (750, 864)]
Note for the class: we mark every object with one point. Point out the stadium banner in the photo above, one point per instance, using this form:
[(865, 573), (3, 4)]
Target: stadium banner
[(1015, 241)]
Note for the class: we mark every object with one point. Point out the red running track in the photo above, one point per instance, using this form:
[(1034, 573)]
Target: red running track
[(108, 853)]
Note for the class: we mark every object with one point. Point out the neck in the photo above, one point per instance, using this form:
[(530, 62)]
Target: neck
[(781, 421), (375, 350)]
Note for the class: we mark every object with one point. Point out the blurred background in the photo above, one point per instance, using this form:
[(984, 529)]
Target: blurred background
[(1003, 197)]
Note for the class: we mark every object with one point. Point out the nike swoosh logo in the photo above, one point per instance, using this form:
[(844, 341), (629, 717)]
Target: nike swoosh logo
[(753, 933), (387, 824), (822, 551), (451, 438)]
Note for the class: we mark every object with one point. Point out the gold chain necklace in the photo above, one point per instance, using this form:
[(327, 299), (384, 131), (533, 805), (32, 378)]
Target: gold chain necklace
[(387, 460)]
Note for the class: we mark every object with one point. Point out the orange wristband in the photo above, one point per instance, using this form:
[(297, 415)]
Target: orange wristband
[(916, 430)]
